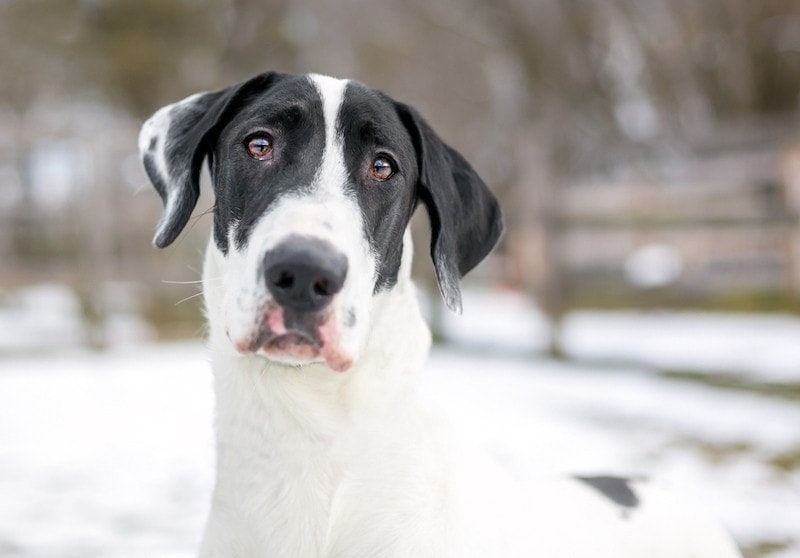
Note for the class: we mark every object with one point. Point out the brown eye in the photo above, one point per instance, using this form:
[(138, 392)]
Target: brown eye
[(260, 147), (381, 169)]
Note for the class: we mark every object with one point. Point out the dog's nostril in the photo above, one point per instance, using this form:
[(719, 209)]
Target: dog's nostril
[(321, 287), (285, 280)]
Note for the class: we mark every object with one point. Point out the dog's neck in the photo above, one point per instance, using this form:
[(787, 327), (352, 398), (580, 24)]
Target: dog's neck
[(255, 393)]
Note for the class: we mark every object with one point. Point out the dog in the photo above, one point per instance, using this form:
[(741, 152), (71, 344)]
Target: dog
[(324, 448)]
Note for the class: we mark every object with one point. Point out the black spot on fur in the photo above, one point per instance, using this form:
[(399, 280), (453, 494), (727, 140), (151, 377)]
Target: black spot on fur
[(465, 217), (350, 318), (370, 127), (616, 489), (290, 112)]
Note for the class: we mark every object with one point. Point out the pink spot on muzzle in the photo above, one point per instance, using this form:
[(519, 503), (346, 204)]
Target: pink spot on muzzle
[(272, 325), (275, 321), (334, 356)]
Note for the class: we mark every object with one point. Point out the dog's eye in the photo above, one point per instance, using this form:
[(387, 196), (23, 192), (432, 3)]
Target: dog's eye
[(381, 168), (260, 147)]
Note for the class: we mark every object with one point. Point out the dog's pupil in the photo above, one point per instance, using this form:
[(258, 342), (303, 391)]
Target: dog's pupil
[(259, 146), (381, 168)]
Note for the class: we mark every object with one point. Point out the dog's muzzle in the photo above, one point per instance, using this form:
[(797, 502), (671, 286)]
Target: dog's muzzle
[(303, 275)]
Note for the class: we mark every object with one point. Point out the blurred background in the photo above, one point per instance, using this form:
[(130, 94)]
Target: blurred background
[(647, 157)]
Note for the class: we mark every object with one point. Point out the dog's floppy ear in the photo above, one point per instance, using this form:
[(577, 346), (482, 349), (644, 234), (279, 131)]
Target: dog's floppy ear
[(465, 216), (174, 142)]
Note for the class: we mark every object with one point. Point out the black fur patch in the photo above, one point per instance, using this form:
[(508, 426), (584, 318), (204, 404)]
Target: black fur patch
[(465, 216), (369, 125), (616, 489), (290, 112)]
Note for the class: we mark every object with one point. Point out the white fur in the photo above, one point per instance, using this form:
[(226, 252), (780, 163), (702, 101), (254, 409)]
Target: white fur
[(312, 463)]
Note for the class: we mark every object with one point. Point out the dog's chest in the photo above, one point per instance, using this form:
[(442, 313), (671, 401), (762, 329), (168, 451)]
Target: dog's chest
[(289, 487)]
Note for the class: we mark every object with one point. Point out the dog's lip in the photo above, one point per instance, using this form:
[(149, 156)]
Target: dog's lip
[(287, 340), (300, 346), (272, 342), (293, 345), (312, 342)]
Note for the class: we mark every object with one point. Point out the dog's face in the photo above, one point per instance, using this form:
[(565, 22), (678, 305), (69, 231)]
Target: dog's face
[(315, 181)]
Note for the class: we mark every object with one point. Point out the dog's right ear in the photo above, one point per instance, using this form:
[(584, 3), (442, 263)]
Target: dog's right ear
[(174, 142)]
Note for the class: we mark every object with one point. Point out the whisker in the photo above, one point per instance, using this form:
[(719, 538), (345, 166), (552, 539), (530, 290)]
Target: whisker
[(170, 282), (196, 217), (190, 297), (141, 187), (192, 282)]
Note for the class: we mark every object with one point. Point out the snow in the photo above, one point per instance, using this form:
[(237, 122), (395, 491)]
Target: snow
[(653, 265), (105, 455), (46, 314), (506, 321), (539, 416), (110, 454), (758, 348), (48, 317)]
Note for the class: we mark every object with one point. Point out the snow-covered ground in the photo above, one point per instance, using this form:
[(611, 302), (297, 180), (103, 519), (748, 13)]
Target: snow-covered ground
[(111, 454), (758, 348)]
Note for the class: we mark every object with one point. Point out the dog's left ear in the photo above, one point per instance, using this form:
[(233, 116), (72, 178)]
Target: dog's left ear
[(465, 216), (174, 142)]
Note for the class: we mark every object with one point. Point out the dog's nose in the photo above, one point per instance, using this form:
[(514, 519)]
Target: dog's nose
[(303, 274)]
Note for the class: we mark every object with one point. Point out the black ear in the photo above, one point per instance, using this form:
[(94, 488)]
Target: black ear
[(465, 216), (174, 142)]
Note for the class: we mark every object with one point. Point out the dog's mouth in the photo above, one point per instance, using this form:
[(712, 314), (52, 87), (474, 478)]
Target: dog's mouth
[(289, 341), (293, 344), (298, 340)]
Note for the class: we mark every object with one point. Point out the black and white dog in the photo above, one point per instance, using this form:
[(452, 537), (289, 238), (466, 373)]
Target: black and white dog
[(323, 448)]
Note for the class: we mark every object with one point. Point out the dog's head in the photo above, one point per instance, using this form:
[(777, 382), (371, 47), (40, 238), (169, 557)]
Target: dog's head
[(315, 182)]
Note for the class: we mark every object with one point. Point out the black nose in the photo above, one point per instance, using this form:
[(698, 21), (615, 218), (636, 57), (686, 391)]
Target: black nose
[(303, 273)]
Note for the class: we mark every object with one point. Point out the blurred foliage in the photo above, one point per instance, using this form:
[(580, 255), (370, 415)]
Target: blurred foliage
[(136, 48), (175, 320), (650, 74), (129, 52), (621, 74)]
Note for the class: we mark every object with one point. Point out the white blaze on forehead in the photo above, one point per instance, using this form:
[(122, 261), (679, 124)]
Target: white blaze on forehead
[(331, 179), (332, 173), (331, 90)]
